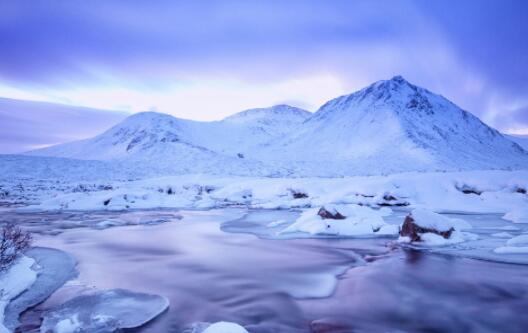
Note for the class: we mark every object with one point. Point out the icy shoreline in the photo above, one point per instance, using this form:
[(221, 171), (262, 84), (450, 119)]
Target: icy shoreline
[(50, 269), (42, 271)]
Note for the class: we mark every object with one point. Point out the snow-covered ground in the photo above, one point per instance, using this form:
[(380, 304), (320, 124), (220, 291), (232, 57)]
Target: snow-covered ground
[(478, 192), (357, 221)]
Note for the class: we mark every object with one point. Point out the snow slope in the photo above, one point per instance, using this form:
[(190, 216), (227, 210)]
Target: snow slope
[(150, 132), (390, 126), (521, 140)]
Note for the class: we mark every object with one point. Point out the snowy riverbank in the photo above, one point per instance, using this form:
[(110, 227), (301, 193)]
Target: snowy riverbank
[(31, 280), (475, 191)]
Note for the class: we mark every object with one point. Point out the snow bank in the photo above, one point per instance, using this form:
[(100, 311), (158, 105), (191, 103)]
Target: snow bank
[(512, 250), (521, 240), (431, 239), (14, 282), (440, 192), (105, 311), (431, 220), (515, 245), (502, 234), (358, 221), (518, 215)]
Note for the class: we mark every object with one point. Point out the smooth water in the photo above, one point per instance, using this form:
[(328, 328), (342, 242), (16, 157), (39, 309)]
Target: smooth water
[(226, 265)]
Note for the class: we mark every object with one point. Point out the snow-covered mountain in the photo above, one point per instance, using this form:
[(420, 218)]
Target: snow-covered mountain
[(151, 133), (150, 143), (390, 126), (393, 125)]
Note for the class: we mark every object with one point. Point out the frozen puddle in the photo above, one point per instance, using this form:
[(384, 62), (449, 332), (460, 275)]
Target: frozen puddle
[(235, 266)]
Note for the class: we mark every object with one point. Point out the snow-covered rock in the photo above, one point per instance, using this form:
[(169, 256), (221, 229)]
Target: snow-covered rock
[(518, 215), (218, 327), (433, 229), (354, 221), (225, 327), (105, 311)]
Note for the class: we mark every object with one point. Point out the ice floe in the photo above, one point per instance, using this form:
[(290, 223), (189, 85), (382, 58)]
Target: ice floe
[(51, 269), (518, 215), (13, 282), (105, 311)]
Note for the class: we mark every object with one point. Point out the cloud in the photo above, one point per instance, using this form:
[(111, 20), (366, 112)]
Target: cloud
[(29, 125), (206, 59)]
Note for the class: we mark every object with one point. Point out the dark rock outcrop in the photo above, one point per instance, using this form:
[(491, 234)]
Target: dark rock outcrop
[(414, 231), (325, 214), (391, 200), (298, 194), (466, 189)]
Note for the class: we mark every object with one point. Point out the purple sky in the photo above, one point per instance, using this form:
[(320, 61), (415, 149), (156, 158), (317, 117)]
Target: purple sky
[(208, 59)]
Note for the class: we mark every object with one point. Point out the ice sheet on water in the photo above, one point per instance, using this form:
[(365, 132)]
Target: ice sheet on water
[(491, 238), (517, 215), (14, 281), (53, 268), (105, 311), (502, 234)]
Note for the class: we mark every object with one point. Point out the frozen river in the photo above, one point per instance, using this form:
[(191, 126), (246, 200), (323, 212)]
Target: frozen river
[(227, 265)]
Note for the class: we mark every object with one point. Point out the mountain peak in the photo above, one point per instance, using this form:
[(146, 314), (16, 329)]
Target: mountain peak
[(397, 83), (399, 79), (282, 111), (149, 115)]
